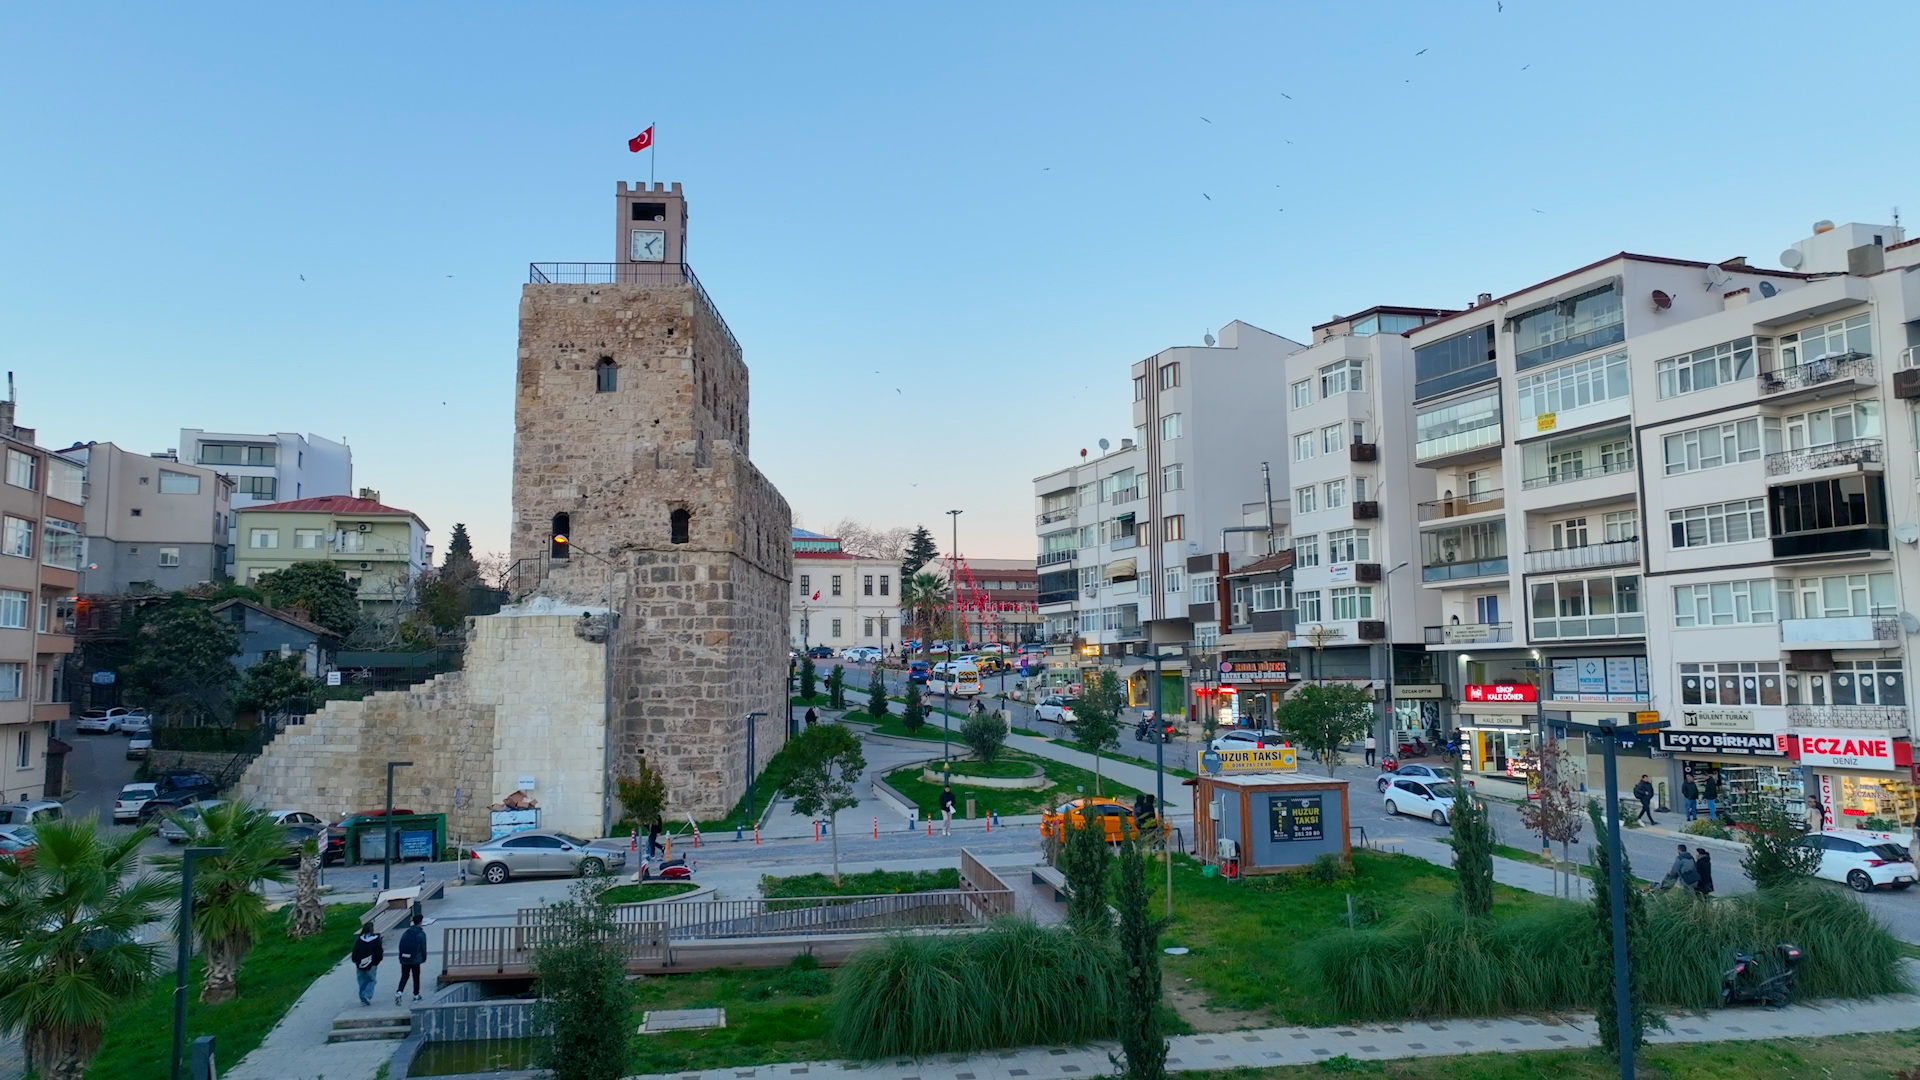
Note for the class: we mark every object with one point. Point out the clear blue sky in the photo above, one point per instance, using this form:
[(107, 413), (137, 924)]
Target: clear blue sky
[(992, 208)]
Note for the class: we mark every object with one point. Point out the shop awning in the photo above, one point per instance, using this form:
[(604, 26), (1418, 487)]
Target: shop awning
[(1123, 570)]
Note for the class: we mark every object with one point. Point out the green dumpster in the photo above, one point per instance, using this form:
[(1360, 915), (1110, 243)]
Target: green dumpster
[(416, 837)]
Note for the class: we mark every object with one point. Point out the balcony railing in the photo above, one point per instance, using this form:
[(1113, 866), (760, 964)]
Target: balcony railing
[(1850, 365), (1874, 717), (1630, 624), (1124, 543), (1469, 633), (1841, 632), (1055, 558), (1051, 516), (1130, 633), (1477, 502), (661, 273), (1458, 442), (1455, 571), (1618, 553), (1860, 452), (1568, 476)]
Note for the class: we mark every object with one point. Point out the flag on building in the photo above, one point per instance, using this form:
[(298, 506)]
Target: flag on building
[(641, 141)]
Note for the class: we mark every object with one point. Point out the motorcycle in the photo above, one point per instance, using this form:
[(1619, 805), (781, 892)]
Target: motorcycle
[(1741, 984), (1147, 731), (1416, 748)]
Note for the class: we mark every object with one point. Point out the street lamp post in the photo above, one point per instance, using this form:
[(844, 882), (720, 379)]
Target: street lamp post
[(1387, 744), (386, 881), (953, 603), (184, 948), (1160, 772)]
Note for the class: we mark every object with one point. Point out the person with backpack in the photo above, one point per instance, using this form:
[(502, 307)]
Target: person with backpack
[(413, 953), (1690, 791), (368, 951), (1644, 792), (1703, 866), (1683, 871)]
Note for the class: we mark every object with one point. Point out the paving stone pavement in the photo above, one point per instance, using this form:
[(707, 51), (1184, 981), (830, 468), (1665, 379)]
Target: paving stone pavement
[(1265, 1047)]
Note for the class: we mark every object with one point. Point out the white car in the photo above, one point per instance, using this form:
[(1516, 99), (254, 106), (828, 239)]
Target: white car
[(136, 723), (132, 798), (294, 817), (139, 746), (862, 654), (1247, 739), (184, 823), (1864, 860), (1432, 799), (1055, 709), (100, 721), (1426, 774)]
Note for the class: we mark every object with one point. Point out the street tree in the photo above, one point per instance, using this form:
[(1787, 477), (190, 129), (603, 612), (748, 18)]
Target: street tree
[(229, 909), (870, 542), (1606, 1015), (1323, 717), (837, 688), (1096, 718), (809, 678), (643, 795), (317, 587), (919, 552), (277, 687), (1083, 861), (307, 917), (984, 733), (913, 708), (826, 761), (73, 961), (1142, 1044), (923, 597), (1775, 853), (180, 662), (1472, 838), (1559, 812), (580, 982), (877, 694)]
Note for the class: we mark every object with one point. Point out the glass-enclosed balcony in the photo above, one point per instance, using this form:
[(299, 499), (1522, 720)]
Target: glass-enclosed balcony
[(1459, 431), (1464, 551)]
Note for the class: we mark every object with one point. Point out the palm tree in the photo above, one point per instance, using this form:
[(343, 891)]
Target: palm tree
[(923, 596), (307, 917), (71, 961), (229, 912)]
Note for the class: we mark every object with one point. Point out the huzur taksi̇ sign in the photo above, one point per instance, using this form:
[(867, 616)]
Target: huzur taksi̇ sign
[(1265, 759)]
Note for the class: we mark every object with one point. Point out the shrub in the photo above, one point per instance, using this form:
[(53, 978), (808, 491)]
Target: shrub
[(1880, 824), (1435, 961), (1083, 862), (809, 677), (1775, 855), (581, 977), (837, 688), (1329, 867), (984, 733), (877, 694), (913, 711), (1708, 827)]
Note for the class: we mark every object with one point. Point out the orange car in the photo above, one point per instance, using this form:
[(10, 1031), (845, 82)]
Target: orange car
[(18, 845), (1114, 817)]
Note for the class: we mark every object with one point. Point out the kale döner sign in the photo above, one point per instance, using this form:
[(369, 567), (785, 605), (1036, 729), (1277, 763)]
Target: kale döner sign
[(1498, 692)]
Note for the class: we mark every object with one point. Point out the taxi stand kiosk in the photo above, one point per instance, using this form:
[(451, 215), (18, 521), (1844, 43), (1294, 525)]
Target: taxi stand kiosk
[(1254, 813)]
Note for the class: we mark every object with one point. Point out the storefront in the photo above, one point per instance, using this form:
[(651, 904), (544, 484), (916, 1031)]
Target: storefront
[(1864, 779), (1496, 726), (1416, 714), (1748, 766), (1249, 690)]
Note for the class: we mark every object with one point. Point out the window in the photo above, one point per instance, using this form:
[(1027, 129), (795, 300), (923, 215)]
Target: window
[(1306, 550), (309, 539), (1302, 393), (1308, 603), (1570, 533), (805, 582), (866, 585), (65, 481), (1342, 377), (179, 483), (1206, 635), (1350, 545), (679, 526), (1305, 499), (61, 544), (236, 454), (1203, 588), (169, 556), (1175, 583), (258, 487), (1569, 327), (1173, 527), (606, 376), (17, 538), (1090, 581), (1853, 335), (1173, 477), (1622, 525), (1827, 427), (1838, 596), (1169, 376), (1359, 428), (1587, 607), (1486, 609), (1302, 446), (1841, 514), (1333, 439), (1272, 595), (1139, 388), (1089, 494), (1169, 427), (1122, 486), (1712, 447), (836, 629), (12, 681), (886, 584), (270, 538), (836, 589), (1352, 602), (1454, 363), (13, 609), (1467, 424), (1336, 493), (867, 628), (1719, 523), (1090, 621), (1359, 489), (20, 469), (1723, 603), (1703, 369), (1730, 684), (1851, 682), (1571, 386), (24, 749), (41, 617)]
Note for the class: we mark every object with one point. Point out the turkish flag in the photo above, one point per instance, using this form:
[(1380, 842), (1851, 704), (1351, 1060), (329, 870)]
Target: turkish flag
[(816, 592), (641, 141)]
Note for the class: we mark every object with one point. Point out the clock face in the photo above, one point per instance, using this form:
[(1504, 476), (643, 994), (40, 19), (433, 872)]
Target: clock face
[(647, 245)]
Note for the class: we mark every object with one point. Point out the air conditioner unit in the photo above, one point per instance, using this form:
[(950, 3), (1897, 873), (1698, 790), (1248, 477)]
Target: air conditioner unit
[(1371, 630), (1366, 571), (1366, 510), (365, 566), (365, 526), (1906, 384)]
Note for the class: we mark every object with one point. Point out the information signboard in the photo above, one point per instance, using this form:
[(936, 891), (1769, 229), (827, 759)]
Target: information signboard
[(1296, 817)]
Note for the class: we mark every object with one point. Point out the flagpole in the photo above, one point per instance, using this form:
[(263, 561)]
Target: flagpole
[(653, 147)]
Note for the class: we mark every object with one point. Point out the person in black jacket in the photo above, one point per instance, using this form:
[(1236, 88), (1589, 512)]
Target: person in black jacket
[(1690, 791), (1644, 792), (413, 953), (368, 951), (946, 811), (1703, 866), (1710, 791)]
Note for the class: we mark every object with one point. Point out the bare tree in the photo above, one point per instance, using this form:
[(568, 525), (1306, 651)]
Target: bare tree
[(871, 542)]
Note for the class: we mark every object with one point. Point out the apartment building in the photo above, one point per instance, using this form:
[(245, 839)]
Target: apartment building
[(153, 523), (42, 504), (1115, 531), (281, 467), (382, 549), (840, 599)]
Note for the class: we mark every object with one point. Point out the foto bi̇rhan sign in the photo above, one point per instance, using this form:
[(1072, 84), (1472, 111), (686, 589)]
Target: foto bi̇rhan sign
[(1265, 759), (1764, 744), (1837, 748), (1295, 817)]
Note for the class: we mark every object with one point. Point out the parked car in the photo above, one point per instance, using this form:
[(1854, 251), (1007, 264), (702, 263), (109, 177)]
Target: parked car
[(18, 844), (1865, 861), (31, 813), (1431, 799), (821, 652), (919, 672), (99, 721), (1422, 773), (183, 824), (295, 817), (136, 723), (862, 654), (1055, 708), (534, 854), (1115, 818), (1032, 648), (994, 647), (332, 843), (132, 797), (139, 747), (175, 789), (1247, 739)]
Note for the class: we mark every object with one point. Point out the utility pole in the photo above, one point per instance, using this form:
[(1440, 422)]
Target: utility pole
[(387, 853), (184, 948), (953, 648)]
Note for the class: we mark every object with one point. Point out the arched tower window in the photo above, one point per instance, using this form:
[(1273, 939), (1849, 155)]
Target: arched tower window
[(680, 521), (561, 535), (606, 376)]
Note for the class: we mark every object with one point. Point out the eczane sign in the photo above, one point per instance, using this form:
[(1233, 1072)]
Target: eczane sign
[(1837, 748)]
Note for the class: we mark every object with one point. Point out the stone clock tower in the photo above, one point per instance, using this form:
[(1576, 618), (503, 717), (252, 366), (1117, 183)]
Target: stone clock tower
[(630, 440)]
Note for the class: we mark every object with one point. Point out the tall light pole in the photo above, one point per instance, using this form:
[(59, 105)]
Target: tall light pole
[(1386, 588), (184, 948), (953, 647), (1160, 772), (387, 853)]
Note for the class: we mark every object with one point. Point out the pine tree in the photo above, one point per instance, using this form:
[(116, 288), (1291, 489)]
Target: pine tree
[(1083, 862), (837, 688), (459, 548), (1604, 1013), (1141, 1041), (1472, 850), (809, 679), (920, 552), (913, 712), (877, 694)]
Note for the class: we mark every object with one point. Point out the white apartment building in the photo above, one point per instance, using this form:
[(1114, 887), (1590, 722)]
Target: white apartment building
[(841, 600), (1115, 532), (280, 467)]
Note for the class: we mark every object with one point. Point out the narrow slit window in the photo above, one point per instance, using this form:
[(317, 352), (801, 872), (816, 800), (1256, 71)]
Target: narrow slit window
[(606, 376), (680, 521)]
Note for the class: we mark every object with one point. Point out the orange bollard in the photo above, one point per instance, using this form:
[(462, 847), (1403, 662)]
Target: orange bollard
[(756, 834), (816, 831), (876, 828), (929, 826), (989, 822)]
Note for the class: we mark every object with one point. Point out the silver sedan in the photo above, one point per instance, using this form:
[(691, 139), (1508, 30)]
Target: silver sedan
[(539, 853)]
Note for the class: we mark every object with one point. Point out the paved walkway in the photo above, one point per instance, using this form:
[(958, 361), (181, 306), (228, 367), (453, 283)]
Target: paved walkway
[(1267, 1047)]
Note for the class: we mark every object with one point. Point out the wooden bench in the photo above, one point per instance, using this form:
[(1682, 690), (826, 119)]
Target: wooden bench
[(1054, 879)]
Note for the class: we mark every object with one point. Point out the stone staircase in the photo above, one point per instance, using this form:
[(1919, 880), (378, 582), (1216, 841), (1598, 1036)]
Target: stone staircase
[(366, 1025)]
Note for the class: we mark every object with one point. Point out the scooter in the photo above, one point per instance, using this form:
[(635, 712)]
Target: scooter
[(1416, 748), (676, 869), (1739, 986), (1148, 730)]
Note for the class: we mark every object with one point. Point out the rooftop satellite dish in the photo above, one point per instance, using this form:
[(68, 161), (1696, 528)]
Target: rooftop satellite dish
[(1208, 338), (1717, 277), (1767, 288), (1661, 301), (1103, 445), (1791, 258), (1909, 622), (1907, 532)]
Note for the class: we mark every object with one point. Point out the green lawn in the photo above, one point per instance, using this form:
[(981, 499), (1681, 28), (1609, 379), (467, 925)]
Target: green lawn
[(1067, 782), (870, 883), (891, 725), (653, 890), (273, 977), (778, 1015)]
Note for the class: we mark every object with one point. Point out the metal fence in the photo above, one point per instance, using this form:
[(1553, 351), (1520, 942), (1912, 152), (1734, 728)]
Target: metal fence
[(628, 273), (467, 950), (688, 919)]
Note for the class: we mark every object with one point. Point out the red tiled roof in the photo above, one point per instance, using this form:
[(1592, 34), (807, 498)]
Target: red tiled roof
[(1269, 564), (338, 504), (824, 555)]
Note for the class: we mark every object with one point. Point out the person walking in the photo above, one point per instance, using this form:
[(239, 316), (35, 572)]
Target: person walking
[(1690, 791), (653, 838), (1373, 747), (1915, 846), (413, 953), (368, 951), (1682, 871), (1703, 866), (813, 716), (1710, 791), (1644, 792), (946, 810)]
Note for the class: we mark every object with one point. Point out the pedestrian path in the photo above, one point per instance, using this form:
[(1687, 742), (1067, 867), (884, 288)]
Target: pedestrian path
[(1268, 1047)]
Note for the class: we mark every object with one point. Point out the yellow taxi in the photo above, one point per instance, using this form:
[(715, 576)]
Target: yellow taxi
[(1114, 818)]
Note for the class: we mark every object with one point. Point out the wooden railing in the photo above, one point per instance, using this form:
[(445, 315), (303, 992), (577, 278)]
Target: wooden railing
[(984, 886)]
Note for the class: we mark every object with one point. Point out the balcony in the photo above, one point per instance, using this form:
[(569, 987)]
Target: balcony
[(1462, 571), (1459, 447), (1568, 476), (628, 273), (1857, 455), (1055, 558), (1470, 633), (1125, 543), (1557, 560), (1628, 624), (1134, 632), (1052, 516), (1891, 718), (1846, 632), (1477, 502), (1839, 373), (1058, 596)]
